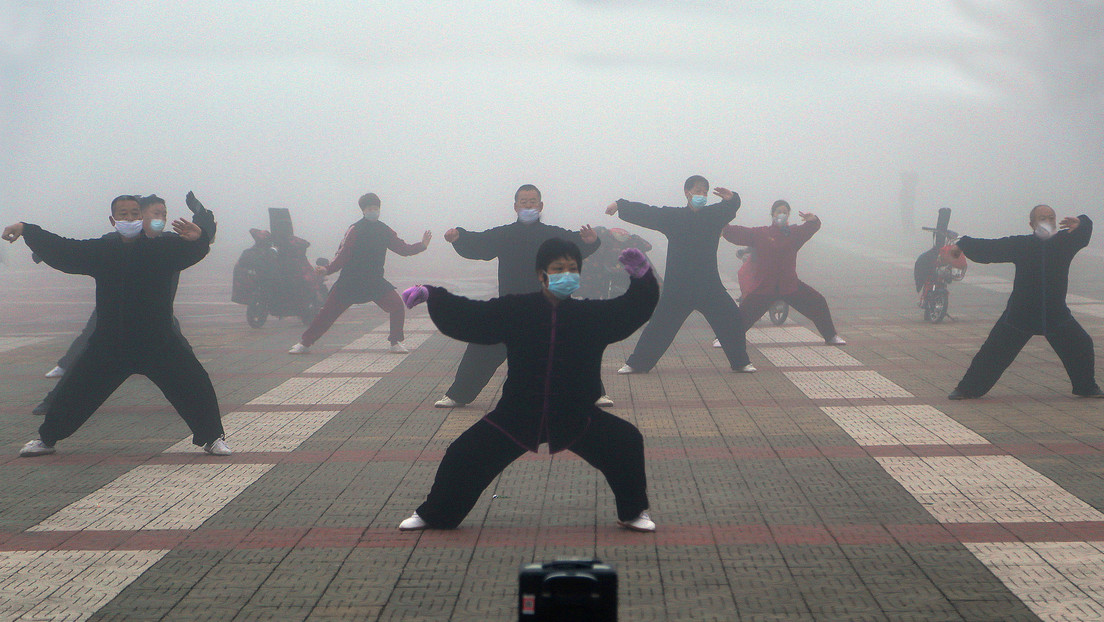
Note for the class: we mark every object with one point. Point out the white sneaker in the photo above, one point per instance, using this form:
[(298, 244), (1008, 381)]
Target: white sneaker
[(398, 348), (56, 372), (414, 523), (447, 402), (604, 401), (299, 349), (218, 447), (626, 370), (35, 448), (836, 340), (716, 343), (746, 369), (640, 523)]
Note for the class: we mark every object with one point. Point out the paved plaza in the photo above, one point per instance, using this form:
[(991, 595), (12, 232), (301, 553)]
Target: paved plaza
[(834, 484)]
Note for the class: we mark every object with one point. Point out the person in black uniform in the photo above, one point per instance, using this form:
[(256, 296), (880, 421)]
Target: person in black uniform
[(134, 329), (691, 281), (514, 245), (360, 259), (554, 345), (154, 218), (1037, 304)]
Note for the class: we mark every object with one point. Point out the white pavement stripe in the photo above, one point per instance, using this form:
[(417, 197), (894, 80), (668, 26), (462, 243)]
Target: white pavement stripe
[(356, 363), (66, 585), (157, 497), (782, 334), (883, 424), (7, 344), (307, 391), (809, 356), (1056, 580), (986, 489), (280, 431), (820, 385)]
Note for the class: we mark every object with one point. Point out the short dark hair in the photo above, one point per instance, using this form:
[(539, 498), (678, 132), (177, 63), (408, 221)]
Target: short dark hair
[(152, 199), (557, 248), (694, 180), (1031, 214), (125, 197), (779, 203), (369, 199), (526, 188)]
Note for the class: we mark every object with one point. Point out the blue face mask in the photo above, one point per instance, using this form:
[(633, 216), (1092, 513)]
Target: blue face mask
[(563, 284), (157, 225), (528, 215), (698, 200)]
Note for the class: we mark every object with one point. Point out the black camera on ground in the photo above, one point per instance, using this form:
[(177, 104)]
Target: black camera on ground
[(579, 590)]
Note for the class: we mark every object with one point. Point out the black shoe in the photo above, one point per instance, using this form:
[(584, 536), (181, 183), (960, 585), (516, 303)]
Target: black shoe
[(1094, 392), (959, 395), (40, 410)]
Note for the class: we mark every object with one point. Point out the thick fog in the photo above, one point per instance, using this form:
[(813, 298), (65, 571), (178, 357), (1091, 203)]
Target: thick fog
[(444, 108)]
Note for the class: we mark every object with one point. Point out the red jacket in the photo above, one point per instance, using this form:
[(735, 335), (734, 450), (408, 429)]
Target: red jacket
[(775, 271)]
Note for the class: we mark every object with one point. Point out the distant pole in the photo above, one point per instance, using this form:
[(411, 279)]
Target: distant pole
[(907, 200)]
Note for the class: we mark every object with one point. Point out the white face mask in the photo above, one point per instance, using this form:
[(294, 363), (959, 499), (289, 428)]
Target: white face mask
[(372, 214), (128, 228), (1044, 230), (528, 215), (782, 219)]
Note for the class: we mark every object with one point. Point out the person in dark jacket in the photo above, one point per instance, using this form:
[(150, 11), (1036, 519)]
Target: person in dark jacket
[(774, 275), (360, 259), (1037, 304), (514, 246), (691, 281), (134, 329), (154, 218), (554, 345)]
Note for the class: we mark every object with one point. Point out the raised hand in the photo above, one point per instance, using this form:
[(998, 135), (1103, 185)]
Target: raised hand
[(807, 216), (588, 234), (611, 209), (635, 262), (724, 193), (426, 237), (1069, 222), (452, 235), (187, 230)]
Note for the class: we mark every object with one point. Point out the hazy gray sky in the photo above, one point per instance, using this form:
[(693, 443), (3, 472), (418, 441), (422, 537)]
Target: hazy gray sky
[(444, 108)]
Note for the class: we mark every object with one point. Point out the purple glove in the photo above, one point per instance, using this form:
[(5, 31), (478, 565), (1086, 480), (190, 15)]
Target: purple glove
[(414, 296), (636, 264)]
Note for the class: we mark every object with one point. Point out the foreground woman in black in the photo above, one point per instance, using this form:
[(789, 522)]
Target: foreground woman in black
[(554, 345)]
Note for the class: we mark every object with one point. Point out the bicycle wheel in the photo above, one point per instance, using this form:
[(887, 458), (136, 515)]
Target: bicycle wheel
[(935, 306)]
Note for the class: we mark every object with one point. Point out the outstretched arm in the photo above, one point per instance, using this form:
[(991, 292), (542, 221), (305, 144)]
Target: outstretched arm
[(400, 247), (463, 319), (647, 216), (484, 245), (979, 250), (71, 256), (620, 317)]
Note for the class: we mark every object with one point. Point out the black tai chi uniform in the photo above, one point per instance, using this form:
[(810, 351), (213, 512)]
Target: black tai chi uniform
[(691, 281), (515, 246), (1036, 306), (554, 356), (134, 334)]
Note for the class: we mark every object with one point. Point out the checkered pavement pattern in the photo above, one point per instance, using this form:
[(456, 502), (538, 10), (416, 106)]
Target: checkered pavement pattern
[(834, 484)]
